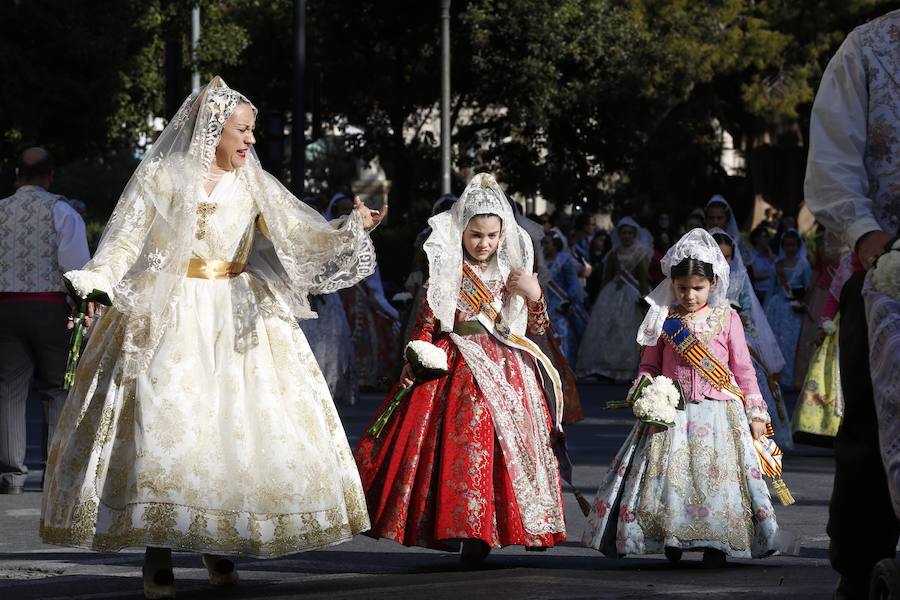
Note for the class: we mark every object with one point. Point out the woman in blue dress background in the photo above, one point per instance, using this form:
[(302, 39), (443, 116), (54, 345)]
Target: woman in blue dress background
[(784, 304)]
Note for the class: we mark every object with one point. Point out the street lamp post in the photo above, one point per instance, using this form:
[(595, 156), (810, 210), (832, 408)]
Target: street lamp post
[(445, 96), (298, 110), (195, 41)]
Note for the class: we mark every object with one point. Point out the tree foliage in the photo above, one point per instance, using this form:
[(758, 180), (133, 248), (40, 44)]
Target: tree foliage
[(604, 101)]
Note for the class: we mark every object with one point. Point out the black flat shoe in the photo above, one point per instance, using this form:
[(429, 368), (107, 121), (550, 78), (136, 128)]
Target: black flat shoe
[(473, 552), (673, 554), (160, 585), (713, 559), (221, 570)]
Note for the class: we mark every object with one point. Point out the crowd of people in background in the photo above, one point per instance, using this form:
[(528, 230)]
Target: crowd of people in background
[(785, 285)]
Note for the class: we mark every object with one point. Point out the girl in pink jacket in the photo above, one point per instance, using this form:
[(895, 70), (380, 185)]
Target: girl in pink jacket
[(697, 485)]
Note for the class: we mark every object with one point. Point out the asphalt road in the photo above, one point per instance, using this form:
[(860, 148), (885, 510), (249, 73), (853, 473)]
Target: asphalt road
[(366, 568)]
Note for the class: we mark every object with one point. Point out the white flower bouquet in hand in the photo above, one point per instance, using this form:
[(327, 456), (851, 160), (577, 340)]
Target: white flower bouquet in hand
[(428, 362), (886, 275), (657, 400), (654, 400)]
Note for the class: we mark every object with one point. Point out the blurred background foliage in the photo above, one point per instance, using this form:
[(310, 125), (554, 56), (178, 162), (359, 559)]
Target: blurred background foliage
[(617, 104)]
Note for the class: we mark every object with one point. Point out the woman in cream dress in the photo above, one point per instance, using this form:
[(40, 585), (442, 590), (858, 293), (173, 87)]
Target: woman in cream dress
[(199, 419)]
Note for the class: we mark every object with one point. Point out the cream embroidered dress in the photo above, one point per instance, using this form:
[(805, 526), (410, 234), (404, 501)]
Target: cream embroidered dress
[(227, 440)]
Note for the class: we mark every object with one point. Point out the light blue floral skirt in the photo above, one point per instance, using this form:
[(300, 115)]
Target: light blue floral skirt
[(694, 486)]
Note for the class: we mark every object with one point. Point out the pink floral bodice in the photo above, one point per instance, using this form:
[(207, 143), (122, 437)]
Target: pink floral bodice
[(722, 332)]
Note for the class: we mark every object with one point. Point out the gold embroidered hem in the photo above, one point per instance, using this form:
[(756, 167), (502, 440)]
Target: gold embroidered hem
[(214, 269), (694, 486), (205, 530), (215, 448)]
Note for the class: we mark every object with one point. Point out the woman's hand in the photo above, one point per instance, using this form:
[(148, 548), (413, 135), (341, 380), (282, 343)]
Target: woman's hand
[(370, 218), (524, 284), (586, 269), (88, 320), (407, 376), (757, 428)]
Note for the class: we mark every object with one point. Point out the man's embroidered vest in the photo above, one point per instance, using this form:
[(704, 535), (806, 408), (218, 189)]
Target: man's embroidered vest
[(29, 243)]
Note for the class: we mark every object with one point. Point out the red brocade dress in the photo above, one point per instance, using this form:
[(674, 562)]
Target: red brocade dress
[(439, 471)]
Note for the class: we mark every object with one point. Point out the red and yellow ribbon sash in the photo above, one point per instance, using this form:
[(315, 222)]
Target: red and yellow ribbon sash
[(687, 346), (480, 300)]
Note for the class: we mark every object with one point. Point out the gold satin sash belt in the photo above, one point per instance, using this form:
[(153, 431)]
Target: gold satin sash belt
[(214, 269)]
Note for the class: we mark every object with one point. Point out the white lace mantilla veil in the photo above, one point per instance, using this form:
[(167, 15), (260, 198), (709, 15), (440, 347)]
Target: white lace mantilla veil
[(802, 256), (732, 229), (738, 270), (147, 244), (769, 350), (643, 238), (445, 251), (699, 245)]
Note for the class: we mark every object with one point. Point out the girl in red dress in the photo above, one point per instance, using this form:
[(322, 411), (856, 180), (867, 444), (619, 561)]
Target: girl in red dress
[(468, 457)]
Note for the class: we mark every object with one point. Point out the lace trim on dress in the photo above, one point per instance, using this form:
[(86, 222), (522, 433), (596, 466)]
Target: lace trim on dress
[(707, 329), (524, 436)]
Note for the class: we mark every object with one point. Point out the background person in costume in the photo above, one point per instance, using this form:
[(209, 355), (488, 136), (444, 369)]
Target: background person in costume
[(719, 214), (820, 405), (564, 294), (374, 322), (695, 486), (331, 343), (785, 307), (764, 351), (607, 348), (828, 253), (42, 237), (762, 261), (468, 456), (199, 374)]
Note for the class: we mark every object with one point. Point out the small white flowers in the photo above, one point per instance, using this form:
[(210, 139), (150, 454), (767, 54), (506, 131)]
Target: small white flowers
[(428, 356), (85, 282), (829, 327), (657, 401), (886, 276)]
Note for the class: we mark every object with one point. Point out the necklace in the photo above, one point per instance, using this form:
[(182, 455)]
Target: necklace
[(481, 264), (691, 312)]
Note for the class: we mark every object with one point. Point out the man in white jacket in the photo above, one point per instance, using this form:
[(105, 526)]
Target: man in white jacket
[(853, 188), (41, 237)]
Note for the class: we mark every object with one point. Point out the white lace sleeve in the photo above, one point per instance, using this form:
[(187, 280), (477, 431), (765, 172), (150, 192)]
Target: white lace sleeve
[(118, 250)]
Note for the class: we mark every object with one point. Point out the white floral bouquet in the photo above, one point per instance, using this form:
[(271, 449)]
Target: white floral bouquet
[(654, 400), (428, 362), (886, 275)]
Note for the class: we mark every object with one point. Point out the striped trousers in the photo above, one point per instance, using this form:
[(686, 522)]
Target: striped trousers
[(33, 344)]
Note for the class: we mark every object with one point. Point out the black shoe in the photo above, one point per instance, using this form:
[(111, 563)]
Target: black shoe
[(473, 552), (221, 570), (673, 554), (6, 488), (713, 559), (159, 585)]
